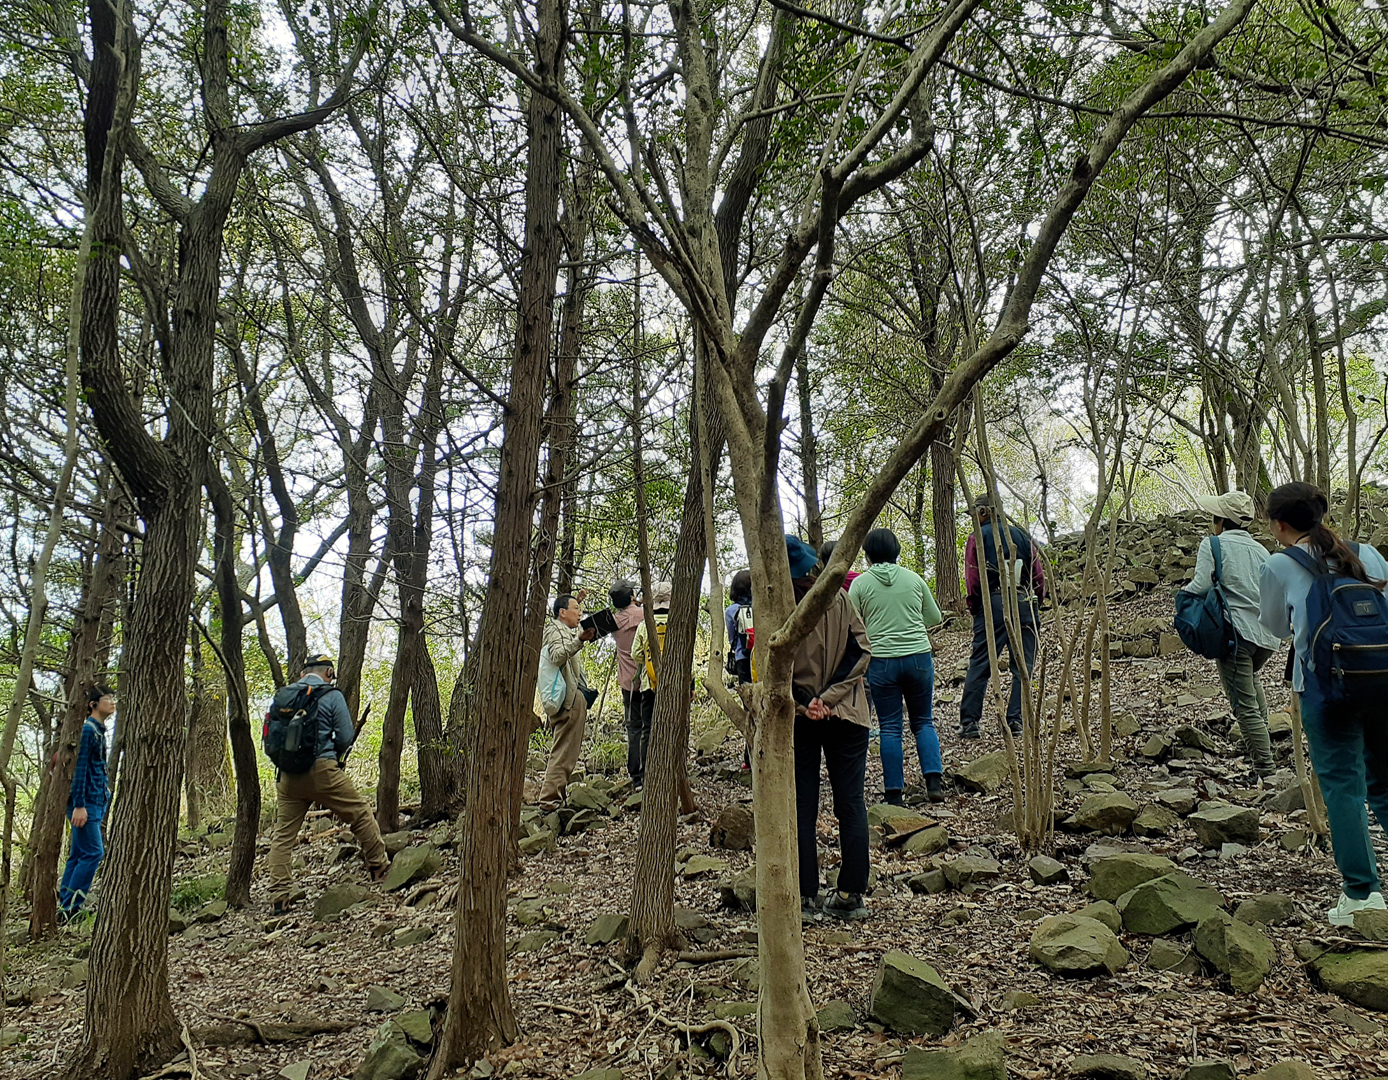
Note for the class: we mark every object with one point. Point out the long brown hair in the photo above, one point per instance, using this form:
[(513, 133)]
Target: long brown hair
[(1303, 507)]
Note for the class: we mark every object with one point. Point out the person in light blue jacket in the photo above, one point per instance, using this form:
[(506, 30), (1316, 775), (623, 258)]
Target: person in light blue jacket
[(1348, 740), (1241, 558)]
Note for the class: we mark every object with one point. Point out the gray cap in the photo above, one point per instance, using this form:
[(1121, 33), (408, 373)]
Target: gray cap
[(1232, 505)]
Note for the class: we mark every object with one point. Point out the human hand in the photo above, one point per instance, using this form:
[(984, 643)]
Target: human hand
[(817, 710), (581, 595), (588, 635), (79, 817)]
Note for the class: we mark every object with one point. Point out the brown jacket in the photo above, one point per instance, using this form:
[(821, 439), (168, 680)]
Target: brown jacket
[(822, 653)]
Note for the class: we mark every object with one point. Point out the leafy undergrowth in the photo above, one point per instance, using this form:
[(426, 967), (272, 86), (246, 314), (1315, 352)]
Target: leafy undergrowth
[(577, 1013)]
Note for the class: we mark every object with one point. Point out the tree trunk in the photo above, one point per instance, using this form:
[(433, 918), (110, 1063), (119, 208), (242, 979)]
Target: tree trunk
[(809, 457), (480, 1015), (435, 763), (402, 674), (197, 709), (653, 884), (948, 592)]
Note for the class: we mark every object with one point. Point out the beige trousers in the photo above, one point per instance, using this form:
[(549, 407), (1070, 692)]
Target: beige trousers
[(568, 741), (331, 788)]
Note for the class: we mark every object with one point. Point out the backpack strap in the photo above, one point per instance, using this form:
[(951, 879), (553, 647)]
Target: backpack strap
[(1305, 560), (1218, 577)]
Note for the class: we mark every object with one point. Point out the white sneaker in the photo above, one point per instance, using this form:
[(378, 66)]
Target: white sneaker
[(1342, 914)]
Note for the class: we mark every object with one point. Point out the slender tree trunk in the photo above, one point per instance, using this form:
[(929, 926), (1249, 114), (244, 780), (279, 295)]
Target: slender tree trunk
[(197, 709), (435, 763), (809, 456), (402, 674), (480, 1015), (947, 577)]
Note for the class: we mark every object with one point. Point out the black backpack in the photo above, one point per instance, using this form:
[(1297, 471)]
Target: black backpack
[(290, 735)]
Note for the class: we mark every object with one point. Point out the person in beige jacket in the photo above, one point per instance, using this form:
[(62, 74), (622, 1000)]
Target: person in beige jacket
[(831, 722), (562, 642)]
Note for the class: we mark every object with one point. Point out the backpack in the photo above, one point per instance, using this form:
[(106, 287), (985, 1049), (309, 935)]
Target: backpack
[(1203, 622), (290, 734), (550, 687), (1347, 632), (650, 656)]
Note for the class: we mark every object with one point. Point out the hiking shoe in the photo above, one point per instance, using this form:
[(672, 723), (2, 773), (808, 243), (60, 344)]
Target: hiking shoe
[(841, 905), (934, 787), (1016, 729), (378, 873), (279, 907), (892, 797), (1342, 914), (967, 732), (809, 908)]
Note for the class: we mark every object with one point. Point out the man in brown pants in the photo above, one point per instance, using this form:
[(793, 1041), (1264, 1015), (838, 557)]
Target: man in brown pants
[(563, 641), (326, 784)]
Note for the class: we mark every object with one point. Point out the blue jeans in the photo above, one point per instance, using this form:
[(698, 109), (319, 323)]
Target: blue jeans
[(1349, 750), (912, 679), (82, 860), (844, 747), (976, 682)]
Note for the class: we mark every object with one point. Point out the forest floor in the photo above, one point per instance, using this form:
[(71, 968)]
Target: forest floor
[(577, 1013)]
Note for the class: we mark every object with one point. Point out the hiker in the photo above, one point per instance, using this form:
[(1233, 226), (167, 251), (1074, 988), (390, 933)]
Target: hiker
[(1241, 563), (562, 642), (897, 609), (629, 616), (1320, 580), (325, 782), (644, 657), (737, 620), (826, 552), (831, 721), (86, 804), (1031, 588)]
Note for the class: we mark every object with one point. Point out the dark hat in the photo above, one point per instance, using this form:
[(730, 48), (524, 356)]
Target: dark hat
[(803, 558), (983, 502), (318, 659)]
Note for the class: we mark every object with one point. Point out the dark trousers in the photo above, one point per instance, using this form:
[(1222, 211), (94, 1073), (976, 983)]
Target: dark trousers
[(844, 747), (639, 706), (976, 682), (84, 856), (1349, 750)]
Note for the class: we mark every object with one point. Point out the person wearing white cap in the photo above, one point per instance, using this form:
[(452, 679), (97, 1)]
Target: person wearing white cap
[(1241, 560), (643, 689)]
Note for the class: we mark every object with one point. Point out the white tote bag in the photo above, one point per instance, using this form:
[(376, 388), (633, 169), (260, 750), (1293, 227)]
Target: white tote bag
[(550, 686)]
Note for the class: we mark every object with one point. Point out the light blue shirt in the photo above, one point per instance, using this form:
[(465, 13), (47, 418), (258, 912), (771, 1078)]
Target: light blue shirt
[(1241, 558), (1285, 584)]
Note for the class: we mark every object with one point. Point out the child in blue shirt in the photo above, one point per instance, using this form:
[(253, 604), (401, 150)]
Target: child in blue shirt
[(86, 803)]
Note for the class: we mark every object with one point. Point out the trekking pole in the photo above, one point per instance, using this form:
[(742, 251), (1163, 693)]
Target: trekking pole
[(356, 734)]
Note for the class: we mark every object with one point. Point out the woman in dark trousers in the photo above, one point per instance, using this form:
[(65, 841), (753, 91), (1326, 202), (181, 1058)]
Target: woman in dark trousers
[(831, 724)]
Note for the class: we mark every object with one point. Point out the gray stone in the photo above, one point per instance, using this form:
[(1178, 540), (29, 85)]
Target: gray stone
[(880, 813), (734, 829), (607, 928), (178, 922), (586, 797), (689, 919), (1170, 902), (1155, 822), (698, 865), (932, 881), (1371, 925), (1047, 871), (1287, 801), (1127, 726), (927, 841), (1107, 1067), (210, 912), (1075, 945), (985, 774), (338, 898), (1360, 977), (390, 1057), (296, 1071), (396, 842), (741, 891), (1156, 747), (1270, 909), (413, 935), (711, 739), (1286, 1070), (837, 1015), (1294, 840), (1220, 1069), (1186, 735), (412, 864), (1237, 949), (970, 870), (533, 941), (909, 996), (417, 1024), (1111, 877), (1166, 955), (382, 999), (1104, 912), (1109, 814), (979, 1058), (1361, 1025), (1226, 824), (1018, 999), (1181, 800)]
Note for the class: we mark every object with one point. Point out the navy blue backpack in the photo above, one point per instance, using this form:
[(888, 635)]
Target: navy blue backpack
[(1347, 632), (1203, 622)]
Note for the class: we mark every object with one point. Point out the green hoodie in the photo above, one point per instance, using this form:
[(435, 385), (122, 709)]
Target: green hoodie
[(897, 609)]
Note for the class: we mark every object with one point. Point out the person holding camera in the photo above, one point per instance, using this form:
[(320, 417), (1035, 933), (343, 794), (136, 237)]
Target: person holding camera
[(563, 640)]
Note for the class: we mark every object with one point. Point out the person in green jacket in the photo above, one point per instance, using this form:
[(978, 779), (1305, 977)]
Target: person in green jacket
[(897, 608)]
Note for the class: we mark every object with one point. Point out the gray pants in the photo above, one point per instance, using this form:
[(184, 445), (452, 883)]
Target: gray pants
[(1239, 674)]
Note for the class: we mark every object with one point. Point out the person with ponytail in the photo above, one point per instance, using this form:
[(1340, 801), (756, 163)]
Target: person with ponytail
[(1343, 721)]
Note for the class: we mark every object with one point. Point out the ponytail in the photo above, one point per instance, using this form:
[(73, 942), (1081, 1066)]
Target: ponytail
[(1303, 507)]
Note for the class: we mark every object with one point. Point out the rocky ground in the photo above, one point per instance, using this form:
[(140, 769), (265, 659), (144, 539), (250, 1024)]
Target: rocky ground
[(1214, 954)]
